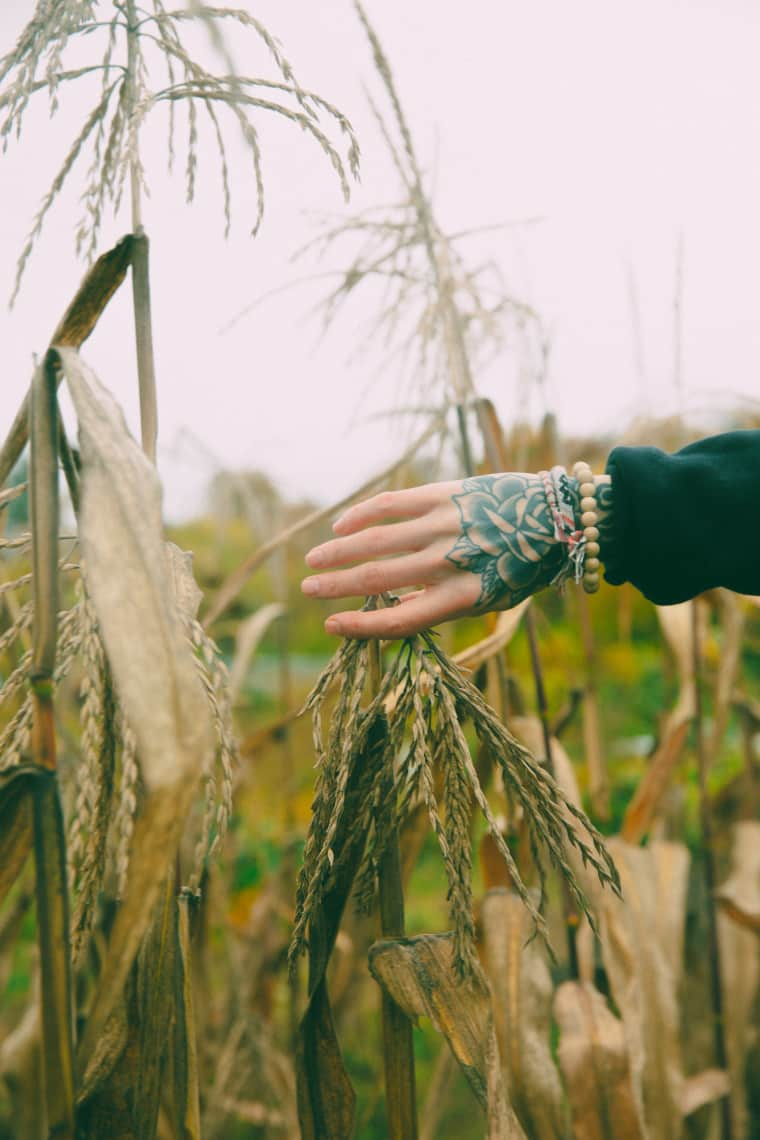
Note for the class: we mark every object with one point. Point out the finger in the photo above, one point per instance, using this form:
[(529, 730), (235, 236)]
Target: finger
[(410, 503), (419, 611), (377, 577), (377, 541)]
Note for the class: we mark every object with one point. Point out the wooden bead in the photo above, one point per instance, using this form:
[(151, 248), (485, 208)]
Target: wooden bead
[(591, 583), (589, 520), (588, 489), (592, 549), (588, 503), (591, 533), (591, 564)]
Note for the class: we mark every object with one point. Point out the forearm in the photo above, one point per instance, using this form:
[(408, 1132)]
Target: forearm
[(684, 523)]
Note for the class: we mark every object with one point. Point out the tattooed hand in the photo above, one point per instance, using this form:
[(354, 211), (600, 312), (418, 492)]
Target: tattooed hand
[(467, 547)]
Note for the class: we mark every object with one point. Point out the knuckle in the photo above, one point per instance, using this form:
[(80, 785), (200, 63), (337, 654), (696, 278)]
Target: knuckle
[(375, 541), (397, 625), (384, 500)]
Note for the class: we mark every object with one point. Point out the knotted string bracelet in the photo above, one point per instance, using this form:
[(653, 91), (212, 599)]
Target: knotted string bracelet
[(581, 542)]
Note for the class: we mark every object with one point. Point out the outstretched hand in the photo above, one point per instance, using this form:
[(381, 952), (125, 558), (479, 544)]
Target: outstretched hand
[(463, 547)]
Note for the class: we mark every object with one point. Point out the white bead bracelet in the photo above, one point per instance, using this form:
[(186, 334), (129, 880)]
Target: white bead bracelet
[(589, 522)]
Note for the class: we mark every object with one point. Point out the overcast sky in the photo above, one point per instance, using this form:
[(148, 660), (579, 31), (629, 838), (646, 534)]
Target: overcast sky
[(621, 126)]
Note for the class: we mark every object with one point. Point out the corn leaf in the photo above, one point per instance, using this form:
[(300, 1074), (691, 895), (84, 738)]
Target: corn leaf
[(249, 634), (326, 1099), (15, 824), (419, 975), (643, 983), (675, 622), (740, 962), (150, 658), (521, 988), (55, 956), (593, 1056), (156, 969), (186, 1105)]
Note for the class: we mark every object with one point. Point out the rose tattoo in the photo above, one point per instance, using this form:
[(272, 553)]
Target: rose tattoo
[(507, 537)]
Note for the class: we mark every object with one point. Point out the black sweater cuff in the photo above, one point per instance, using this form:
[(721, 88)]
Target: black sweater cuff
[(687, 522)]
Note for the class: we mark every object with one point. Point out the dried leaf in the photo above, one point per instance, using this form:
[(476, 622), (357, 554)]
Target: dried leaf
[(21, 1069), (185, 1056), (740, 966), (55, 955), (704, 1088), (156, 972), (419, 975), (111, 1090), (15, 824), (643, 984), (506, 627), (121, 534), (739, 896), (521, 989), (671, 864), (639, 945), (152, 664), (732, 617), (186, 591), (108, 1052), (676, 624), (326, 1099), (643, 806), (249, 634), (593, 1056)]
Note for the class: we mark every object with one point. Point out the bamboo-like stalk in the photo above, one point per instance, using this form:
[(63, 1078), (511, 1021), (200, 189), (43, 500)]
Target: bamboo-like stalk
[(398, 1047), (713, 944), (146, 365), (49, 848), (569, 910), (598, 785)]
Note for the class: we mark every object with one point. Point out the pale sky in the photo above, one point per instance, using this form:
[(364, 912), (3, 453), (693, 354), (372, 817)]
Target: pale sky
[(621, 126)]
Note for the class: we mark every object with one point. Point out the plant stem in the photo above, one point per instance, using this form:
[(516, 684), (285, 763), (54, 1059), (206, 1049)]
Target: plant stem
[(568, 907), (398, 1047), (716, 995), (49, 844), (146, 365), (598, 785)]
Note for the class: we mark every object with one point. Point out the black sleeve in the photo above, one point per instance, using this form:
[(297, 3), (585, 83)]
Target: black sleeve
[(687, 522)]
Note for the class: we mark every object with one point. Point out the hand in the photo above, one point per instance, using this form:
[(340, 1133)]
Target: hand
[(467, 547)]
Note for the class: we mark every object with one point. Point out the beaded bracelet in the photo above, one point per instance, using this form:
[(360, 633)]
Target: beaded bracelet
[(589, 520)]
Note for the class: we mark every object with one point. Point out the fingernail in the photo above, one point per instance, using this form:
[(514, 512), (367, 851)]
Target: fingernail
[(315, 557), (339, 520), (334, 625), (310, 586)]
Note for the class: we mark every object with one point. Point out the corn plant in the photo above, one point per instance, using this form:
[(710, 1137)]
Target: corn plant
[(155, 715)]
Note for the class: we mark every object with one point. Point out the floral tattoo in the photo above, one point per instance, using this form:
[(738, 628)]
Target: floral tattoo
[(507, 538)]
